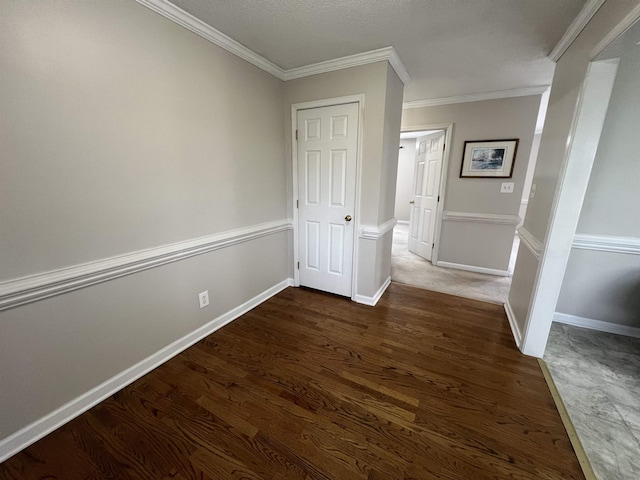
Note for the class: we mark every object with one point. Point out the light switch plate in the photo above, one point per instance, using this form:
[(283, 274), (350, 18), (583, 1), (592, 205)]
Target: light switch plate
[(507, 187)]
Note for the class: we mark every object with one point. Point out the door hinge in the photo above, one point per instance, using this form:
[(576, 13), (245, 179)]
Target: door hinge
[(438, 197), (296, 134), (443, 145), (433, 245), (297, 203), (298, 265)]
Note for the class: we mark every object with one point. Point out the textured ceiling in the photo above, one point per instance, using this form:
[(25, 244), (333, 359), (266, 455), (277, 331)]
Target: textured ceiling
[(449, 47)]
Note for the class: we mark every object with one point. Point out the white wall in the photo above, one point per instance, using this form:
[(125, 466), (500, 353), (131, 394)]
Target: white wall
[(122, 131), (404, 183), (569, 77), (605, 285), (460, 242)]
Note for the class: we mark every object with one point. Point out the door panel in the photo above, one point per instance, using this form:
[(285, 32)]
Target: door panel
[(429, 156), (327, 152)]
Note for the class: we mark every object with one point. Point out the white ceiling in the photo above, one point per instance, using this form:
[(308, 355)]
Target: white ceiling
[(449, 47)]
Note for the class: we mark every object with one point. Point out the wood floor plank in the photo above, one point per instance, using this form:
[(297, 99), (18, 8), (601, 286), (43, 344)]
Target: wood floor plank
[(313, 386)]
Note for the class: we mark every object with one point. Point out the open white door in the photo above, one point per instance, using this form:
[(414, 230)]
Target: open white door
[(327, 153), (426, 194)]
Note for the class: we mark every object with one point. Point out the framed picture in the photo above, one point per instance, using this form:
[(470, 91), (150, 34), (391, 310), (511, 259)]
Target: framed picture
[(489, 158)]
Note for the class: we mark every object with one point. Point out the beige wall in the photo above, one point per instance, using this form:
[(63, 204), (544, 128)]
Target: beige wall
[(568, 80), (599, 285), (120, 131), (383, 91), (404, 183), (490, 119)]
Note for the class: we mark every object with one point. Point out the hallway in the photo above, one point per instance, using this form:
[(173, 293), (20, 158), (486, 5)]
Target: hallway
[(410, 269)]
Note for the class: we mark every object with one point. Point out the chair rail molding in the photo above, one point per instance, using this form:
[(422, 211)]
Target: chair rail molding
[(532, 243), (603, 243), (496, 218), (375, 233), (32, 288)]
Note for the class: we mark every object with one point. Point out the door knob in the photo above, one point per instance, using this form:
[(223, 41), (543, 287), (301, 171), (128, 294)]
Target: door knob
[(411, 202), (348, 218)]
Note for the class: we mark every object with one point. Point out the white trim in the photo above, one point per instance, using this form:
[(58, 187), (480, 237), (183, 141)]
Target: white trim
[(33, 432), (24, 290), (573, 178), (375, 233), (515, 329), (372, 301), (403, 222), (380, 55), (476, 97), (599, 325), (448, 142), (602, 243), (615, 32), (197, 26), (578, 24), (473, 268), (495, 218), (528, 240), (327, 102), (524, 201)]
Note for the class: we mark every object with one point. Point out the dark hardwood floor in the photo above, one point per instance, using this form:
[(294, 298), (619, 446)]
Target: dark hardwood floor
[(313, 386)]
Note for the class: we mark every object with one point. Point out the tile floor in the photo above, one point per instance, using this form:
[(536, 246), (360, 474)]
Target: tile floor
[(598, 377)]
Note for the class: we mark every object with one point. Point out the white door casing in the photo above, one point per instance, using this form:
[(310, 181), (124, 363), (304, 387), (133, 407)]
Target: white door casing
[(426, 194), (326, 156)]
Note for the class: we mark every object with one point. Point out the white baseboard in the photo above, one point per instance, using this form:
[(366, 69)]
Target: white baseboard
[(21, 439), (515, 330), (596, 325), (403, 222), (473, 268), (372, 301)]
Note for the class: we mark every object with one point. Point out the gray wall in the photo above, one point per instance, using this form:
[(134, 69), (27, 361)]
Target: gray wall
[(605, 285), (404, 183), (568, 80), (120, 131), (490, 119), (383, 92)]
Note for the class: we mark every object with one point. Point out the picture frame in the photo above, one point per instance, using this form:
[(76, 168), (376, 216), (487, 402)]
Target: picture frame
[(489, 158)]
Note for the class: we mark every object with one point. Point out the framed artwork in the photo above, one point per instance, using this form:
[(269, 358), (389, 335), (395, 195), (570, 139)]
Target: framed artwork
[(489, 158)]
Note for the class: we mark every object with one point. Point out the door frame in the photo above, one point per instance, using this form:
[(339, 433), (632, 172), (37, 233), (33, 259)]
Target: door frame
[(448, 134), (327, 102)]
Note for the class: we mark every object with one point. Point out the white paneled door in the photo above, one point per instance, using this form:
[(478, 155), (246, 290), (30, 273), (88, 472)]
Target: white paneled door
[(426, 194), (327, 151)]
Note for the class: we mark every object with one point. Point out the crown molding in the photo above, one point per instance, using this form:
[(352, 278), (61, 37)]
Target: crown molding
[(188, 21), (197, 26), (476, 97), (578, 24), (380, 55), (618, 30)]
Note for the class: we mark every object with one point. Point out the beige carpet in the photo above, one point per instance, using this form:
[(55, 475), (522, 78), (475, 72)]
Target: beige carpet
[(411, 269)]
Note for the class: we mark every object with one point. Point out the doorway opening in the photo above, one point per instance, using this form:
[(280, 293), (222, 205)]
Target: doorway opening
[(423, 165), (593, 349)]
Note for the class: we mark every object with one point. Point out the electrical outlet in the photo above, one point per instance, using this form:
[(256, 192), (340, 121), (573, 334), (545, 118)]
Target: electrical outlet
[(507, 187), (203, 297)]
